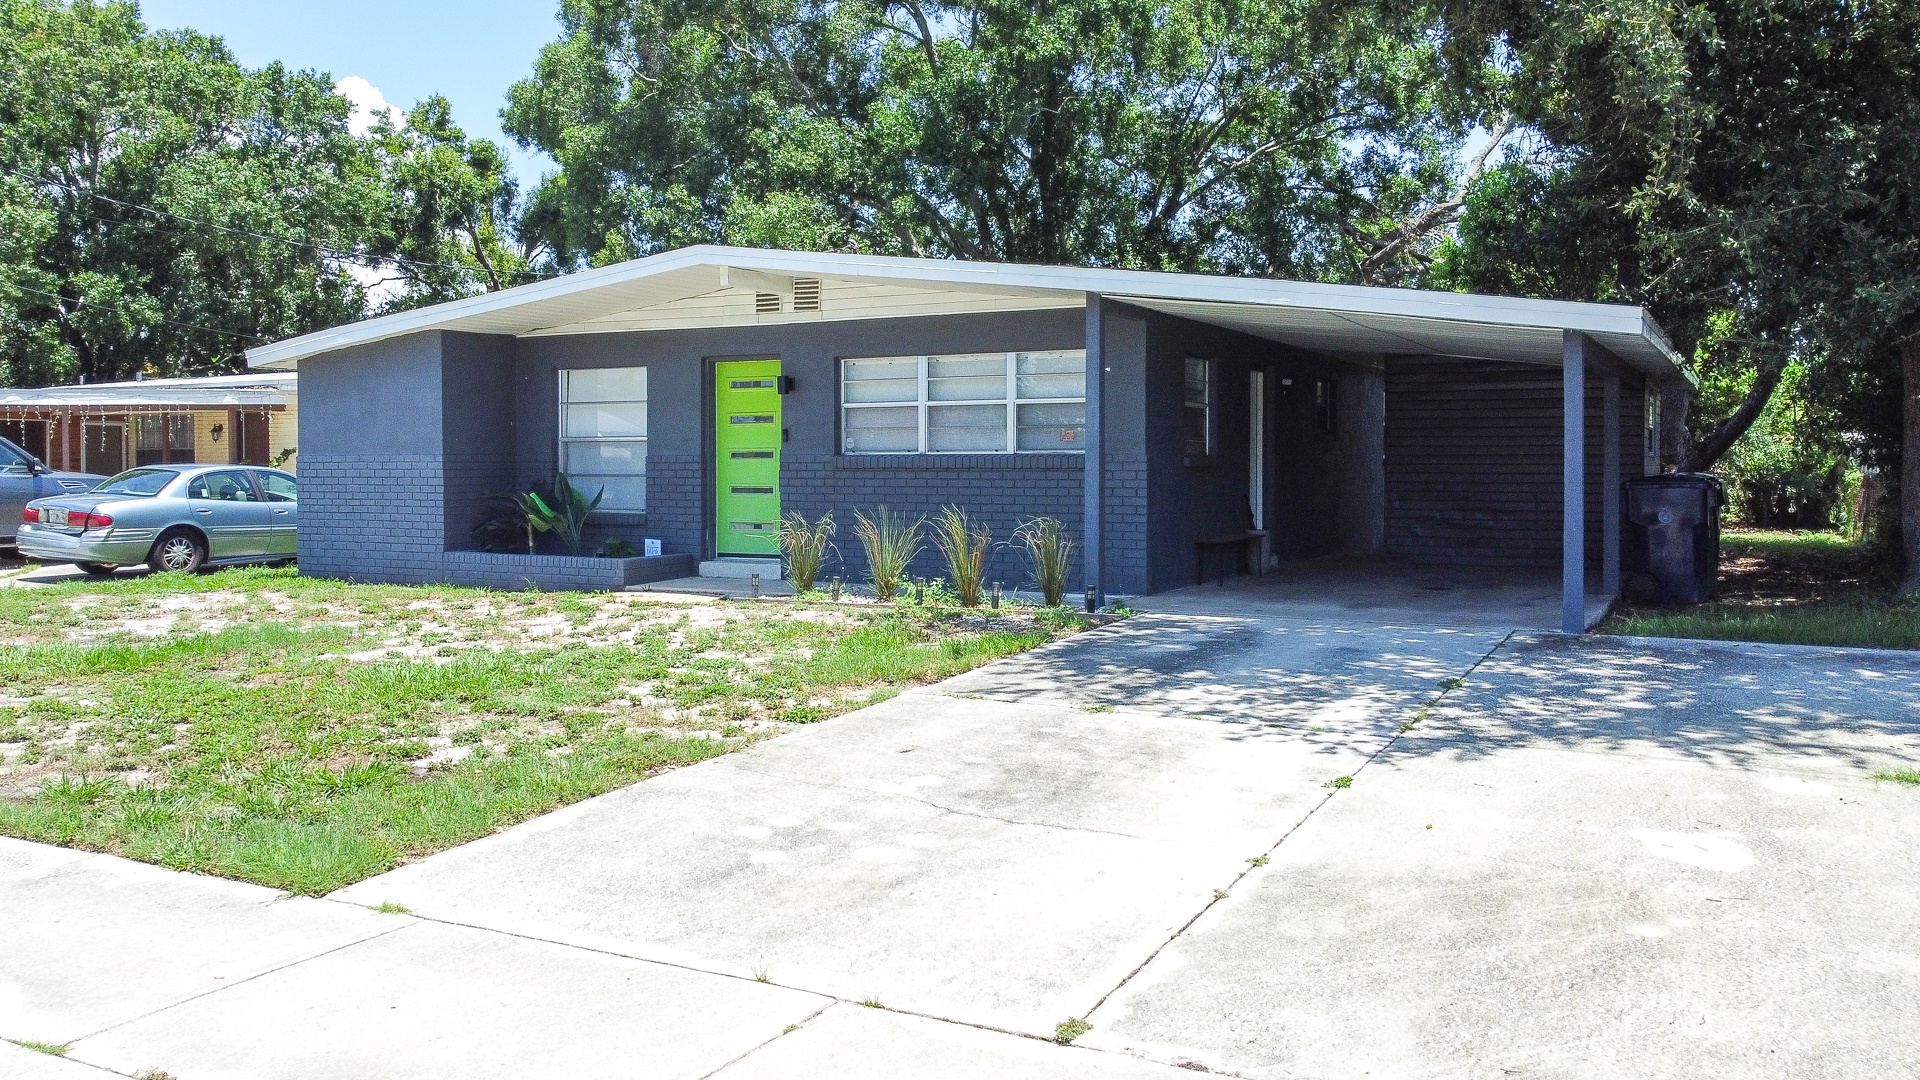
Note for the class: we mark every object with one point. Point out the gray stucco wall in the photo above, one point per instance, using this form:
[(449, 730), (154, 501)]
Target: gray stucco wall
[(1002, 490), (477, 430), (372, 467), (1324, 492)]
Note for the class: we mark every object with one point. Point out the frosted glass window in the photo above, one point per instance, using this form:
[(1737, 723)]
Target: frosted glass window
[(883, 431), (603, 434), (965, 403)]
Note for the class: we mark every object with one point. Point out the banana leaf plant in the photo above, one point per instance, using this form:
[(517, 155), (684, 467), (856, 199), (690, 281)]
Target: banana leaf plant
[(562, 512)]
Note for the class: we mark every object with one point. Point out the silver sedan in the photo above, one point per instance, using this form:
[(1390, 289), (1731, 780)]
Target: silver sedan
[(170, 517)]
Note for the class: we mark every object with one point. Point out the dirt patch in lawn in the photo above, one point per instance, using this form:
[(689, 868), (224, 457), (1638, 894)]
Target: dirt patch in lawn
[(305, 734)]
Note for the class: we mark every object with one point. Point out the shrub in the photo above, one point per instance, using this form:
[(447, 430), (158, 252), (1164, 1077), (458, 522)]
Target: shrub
[(965, 547), (891, 542), (806, 546), (563, 512), (1051, 550)]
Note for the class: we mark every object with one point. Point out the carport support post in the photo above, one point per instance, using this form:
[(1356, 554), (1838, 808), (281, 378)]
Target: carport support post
[(1573, 482), (1093, 516), (1610, 496)]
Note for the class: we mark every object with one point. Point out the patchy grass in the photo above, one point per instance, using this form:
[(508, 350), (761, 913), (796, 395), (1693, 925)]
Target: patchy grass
[(1070, 1029), (306, 734), (1899, 776), (1790, 588), (56, 1049)]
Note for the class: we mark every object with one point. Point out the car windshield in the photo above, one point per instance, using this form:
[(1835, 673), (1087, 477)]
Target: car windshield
[(137, 482)]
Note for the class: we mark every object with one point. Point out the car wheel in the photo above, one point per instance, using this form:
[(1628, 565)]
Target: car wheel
[(179, 550), (97, 569)]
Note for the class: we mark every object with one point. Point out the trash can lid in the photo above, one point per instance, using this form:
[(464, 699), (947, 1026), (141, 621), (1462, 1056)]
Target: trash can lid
[(1677, 479)]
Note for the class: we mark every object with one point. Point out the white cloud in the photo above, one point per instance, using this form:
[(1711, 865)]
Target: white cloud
[(368, 104)]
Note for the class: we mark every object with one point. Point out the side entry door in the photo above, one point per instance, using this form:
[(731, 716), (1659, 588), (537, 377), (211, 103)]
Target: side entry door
[(747, 434), (227, 508), (283, 505)]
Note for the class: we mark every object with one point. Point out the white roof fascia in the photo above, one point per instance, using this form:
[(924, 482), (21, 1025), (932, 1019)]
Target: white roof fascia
[(1607, 319), (235, 399)]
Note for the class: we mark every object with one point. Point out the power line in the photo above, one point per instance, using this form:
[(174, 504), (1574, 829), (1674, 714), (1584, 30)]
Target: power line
[(129, 314), (316, 248)]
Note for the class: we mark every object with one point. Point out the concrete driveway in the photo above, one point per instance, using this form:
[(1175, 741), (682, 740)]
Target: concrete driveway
[(1593, 857)]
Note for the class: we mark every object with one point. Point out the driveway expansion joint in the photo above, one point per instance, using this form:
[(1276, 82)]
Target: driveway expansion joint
[(240, 982), (1450, 685)]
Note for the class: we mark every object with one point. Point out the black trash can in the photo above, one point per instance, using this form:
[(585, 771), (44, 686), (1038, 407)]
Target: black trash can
[(1673, 537)]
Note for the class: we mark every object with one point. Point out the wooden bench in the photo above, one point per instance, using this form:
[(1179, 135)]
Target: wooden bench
[(1251, 548)]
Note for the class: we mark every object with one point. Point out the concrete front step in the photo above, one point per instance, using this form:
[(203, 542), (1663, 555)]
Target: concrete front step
[(768, 569)]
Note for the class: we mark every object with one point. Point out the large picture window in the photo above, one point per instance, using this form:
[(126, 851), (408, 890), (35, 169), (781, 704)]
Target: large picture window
[(967, 403), (603, 434)]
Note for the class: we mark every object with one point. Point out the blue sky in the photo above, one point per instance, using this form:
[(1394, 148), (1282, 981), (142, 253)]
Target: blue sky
[(471, 51)]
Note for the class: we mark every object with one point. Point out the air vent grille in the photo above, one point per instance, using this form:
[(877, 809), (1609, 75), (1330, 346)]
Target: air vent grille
[(806, 294), (766, 303)]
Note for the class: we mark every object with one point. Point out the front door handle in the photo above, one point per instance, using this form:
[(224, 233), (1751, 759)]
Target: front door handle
[(282, 513), (201, 510)]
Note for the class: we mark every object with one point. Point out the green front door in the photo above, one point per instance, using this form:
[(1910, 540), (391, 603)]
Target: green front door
[(747, 447)]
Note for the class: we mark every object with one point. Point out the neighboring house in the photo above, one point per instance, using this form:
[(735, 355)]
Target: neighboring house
[(108, 427), (709, 389)]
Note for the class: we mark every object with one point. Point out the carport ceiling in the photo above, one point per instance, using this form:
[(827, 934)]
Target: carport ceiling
[(707, 286)]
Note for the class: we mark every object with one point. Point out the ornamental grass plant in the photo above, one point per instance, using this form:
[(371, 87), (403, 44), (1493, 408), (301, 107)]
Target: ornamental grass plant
[(890, 542)]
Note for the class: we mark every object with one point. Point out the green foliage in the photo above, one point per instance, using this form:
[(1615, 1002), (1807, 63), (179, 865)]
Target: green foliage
[(806, 545), (1746, 167), (890, 542), (1070, 1029), (964, 544), (562, 511), (1792, 468), (1290, 137), (1050, 551), (618, 548), (163, 207)]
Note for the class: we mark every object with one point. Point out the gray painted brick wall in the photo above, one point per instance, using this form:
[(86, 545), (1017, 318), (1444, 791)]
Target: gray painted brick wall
[(1001, 492)]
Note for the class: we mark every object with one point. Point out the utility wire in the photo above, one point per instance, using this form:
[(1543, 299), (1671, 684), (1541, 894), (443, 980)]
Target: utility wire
[(328, 252), (129, 314)]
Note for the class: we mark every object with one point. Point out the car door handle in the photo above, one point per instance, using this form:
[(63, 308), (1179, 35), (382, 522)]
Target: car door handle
[(201, 510), (282, 513)]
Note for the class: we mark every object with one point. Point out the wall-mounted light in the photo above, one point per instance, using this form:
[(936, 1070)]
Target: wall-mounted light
[(217, 431)]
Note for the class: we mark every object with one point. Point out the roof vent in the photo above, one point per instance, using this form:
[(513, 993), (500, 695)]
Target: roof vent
[(766, 303), (806, 294)]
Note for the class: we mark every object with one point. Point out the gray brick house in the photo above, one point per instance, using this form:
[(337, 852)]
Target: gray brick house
[(709, 389)]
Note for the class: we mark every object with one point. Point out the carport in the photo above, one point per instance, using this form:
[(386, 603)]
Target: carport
[(1505, 429)]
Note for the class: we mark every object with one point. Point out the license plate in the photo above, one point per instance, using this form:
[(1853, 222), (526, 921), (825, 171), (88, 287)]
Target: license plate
[(56, 517)]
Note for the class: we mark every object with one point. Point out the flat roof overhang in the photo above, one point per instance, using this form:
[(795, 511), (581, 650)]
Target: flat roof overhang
[(707, 286)]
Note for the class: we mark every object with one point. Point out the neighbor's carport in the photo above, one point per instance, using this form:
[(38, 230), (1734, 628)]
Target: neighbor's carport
[(1498, 345)]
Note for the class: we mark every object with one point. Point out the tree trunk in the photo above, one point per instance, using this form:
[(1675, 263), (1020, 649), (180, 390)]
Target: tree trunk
[(1766, 378), (1910, 464), (1676, 400)]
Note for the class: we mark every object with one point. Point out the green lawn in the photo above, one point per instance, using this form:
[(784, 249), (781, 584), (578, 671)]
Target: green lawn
[(305, 734), (1790, 588)]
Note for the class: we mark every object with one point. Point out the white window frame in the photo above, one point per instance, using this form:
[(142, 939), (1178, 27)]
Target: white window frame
[(563, 441), (1211, 374), (1011, 399)]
